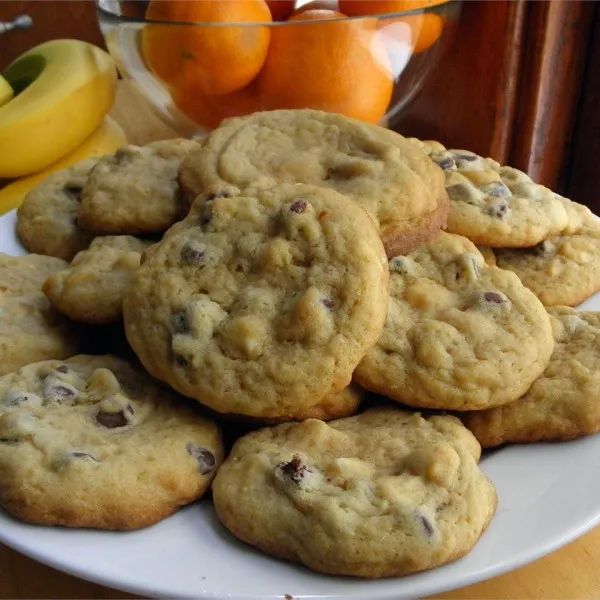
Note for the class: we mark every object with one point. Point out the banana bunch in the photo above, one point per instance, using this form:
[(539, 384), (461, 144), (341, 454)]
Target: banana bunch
[(53, 105)]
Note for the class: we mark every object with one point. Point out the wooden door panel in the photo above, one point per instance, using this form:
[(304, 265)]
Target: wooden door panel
[(470, 99), (51, 20)]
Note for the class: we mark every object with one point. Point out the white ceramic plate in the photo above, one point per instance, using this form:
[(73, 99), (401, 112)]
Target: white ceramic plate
[(548, 495)]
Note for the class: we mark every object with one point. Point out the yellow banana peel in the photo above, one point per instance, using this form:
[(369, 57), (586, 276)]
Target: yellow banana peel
[(63, 88), (6, 91), (105, 140)]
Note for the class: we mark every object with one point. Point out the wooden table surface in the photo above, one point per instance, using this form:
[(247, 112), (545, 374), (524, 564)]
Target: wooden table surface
[(571, 573)]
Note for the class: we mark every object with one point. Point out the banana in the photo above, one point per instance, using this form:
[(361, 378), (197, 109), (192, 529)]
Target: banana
[(105, 140), (6, 92), (63, 90)]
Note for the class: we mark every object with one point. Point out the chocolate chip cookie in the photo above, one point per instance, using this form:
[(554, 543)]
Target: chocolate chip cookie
[(564, 403), (382, 494), (135, 190), (30, 330), (93, 442), (261, 305), (495, 205), (91, 288), (564, 269), (459, 335), (375, 167), (47, 219)]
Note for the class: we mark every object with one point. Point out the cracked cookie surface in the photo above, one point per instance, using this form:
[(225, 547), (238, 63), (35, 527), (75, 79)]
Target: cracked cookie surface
[(135, 190), (261, 305), (459, 335), (92, 441), (47, 219), (30, 329), (563, 403), (92, 287), (375, 167), (385, 493), (495, 205)]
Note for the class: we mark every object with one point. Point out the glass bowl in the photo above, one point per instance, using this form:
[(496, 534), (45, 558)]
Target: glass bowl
[(194, 75)]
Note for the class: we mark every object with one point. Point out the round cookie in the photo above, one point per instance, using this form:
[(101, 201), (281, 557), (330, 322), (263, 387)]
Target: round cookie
[(377, 168), (92, 287), (47, 219), (564, 402), (93, 442), (459, 335), (30, 330), (562, 270), (495, 205), (261, 305), (135, 190), (382, 494), (21, 275)]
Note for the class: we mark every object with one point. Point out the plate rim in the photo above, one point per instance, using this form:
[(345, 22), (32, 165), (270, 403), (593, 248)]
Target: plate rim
[(12, 538)]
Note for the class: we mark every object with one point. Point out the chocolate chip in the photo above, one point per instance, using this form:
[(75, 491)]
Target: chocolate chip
[(192, 253), (493, 298), (215, 195), (62, 392), (458, 192), (74, 191), (400, 264), (84, 455), (179, 323), (299, 206), (206, 459), (496, 189), (180, 361), (62, 369), (62, 462), (465, 156), (427, 525), (121, 154), (498, 210), (328, 303), (205, 219), (444, 162), (294, 469), (112, 420)]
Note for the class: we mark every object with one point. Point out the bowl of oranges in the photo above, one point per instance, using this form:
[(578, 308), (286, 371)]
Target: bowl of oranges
[(201, 61)]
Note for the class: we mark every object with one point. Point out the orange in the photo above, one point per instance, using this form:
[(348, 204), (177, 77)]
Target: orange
[(337, 66), (418, 31), (281, 9), (357, 8), (219, 59), (210, 110)]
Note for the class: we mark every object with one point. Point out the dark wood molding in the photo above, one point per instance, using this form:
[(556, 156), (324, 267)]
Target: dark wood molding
[(469, 100), (554, 58), (583, 184)]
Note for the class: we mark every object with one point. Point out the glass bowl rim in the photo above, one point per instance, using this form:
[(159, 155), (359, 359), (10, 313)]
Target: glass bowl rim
[(440, 6)]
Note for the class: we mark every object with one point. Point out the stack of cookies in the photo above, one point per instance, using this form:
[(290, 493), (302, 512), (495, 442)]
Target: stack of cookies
[(268, 276)]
